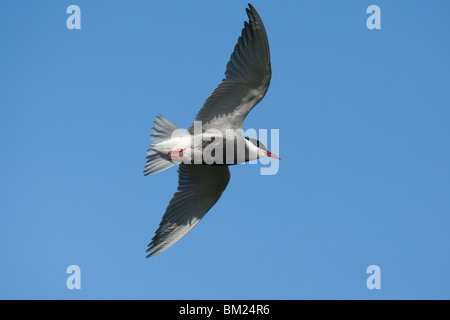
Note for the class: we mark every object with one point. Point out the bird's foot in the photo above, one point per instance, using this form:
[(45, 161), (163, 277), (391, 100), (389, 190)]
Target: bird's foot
[(177, 159), (177, 151)]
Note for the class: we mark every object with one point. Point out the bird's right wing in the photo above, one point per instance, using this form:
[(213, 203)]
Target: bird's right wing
[(199, 188), (247, 79)]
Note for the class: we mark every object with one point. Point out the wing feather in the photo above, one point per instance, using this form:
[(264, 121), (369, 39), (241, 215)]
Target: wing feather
[(199, 188), (247, 79)]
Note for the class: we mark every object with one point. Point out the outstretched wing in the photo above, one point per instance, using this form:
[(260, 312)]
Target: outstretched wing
[(247, 79), (199, 188)]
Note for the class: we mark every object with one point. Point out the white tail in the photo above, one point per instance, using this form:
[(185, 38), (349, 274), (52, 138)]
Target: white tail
[(156, 161)]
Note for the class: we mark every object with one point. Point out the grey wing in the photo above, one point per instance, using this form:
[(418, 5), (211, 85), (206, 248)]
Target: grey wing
[(247, 79), (199, 188)]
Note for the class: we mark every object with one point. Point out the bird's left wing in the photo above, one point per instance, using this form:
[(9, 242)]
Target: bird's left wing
[(199, 188), (247, 79)]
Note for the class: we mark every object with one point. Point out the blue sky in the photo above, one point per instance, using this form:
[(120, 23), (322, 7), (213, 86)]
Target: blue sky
[(363, 117)]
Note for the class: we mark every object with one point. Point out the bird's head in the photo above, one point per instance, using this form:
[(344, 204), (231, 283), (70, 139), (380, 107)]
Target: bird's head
[(256, 149)]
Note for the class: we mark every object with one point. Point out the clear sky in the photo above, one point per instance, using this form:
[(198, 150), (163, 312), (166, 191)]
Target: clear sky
[(363, 118)]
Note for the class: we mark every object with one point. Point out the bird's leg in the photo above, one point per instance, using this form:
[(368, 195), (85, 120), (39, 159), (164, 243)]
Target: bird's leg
[(171, 158), (175, 150)]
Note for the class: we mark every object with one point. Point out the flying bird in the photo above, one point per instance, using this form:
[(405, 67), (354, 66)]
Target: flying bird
[(201, 183)]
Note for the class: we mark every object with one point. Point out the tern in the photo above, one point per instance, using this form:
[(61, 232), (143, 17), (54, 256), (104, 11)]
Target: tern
[(201, 183)]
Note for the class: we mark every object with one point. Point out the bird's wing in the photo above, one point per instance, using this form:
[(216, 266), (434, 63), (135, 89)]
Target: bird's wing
[(199, 188), (247, 79)]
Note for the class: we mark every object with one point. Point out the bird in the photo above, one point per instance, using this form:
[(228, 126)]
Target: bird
[(202, 177)]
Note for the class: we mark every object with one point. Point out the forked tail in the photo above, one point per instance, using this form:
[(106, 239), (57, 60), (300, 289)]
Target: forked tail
[(161, 131)]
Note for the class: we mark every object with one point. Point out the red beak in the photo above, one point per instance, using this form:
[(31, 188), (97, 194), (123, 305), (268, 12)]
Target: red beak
[(272, 155)]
